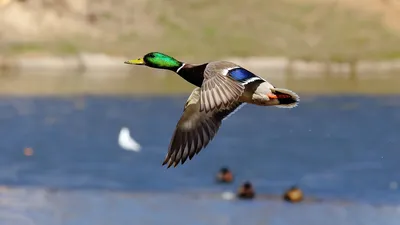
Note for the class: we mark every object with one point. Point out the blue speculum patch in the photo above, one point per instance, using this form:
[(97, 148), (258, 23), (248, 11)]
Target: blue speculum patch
[(241, 74)]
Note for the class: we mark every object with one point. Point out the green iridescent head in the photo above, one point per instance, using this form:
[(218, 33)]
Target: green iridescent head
[(157, 60)]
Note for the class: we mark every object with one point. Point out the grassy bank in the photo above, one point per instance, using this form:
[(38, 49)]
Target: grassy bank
[(211, 29)]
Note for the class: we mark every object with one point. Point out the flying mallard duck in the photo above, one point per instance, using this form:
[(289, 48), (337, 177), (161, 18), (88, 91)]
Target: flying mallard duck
[(222, 88)]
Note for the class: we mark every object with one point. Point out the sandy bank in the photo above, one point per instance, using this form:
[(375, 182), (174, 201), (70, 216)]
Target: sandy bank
[(93, 62)]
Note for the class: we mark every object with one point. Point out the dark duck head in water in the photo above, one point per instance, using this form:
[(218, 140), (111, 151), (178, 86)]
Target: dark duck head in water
[(246, 191), (224, 175)]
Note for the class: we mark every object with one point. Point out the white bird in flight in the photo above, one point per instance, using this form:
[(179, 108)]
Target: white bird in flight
[(127, 142)]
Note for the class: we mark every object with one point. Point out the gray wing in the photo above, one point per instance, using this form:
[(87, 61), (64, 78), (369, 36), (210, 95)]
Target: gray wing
[(195, 130), (219, 90)]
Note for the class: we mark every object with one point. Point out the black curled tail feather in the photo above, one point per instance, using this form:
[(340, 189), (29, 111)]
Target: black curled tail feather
[(286, 98)]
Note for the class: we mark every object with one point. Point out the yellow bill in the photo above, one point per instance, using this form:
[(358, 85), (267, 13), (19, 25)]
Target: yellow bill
[(139, 61)]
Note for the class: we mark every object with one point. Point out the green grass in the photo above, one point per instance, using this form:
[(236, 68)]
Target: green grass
[(18, 48), (212, 29), (59, 47)]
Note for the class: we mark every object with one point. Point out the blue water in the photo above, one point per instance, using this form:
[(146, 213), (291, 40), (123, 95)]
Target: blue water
[(341, 147)]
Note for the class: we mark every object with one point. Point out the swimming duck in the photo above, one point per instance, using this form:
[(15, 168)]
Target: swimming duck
[(294, 194), (246, 191), (224, 175), (222, 88)]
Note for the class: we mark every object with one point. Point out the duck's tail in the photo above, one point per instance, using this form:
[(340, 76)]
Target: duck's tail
[(286, 98)]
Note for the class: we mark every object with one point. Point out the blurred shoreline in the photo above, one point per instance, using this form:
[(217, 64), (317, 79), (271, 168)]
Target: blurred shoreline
[(20, 190), (103, 62), (143, 81), (44, 206), (326, 33), (25, 191)]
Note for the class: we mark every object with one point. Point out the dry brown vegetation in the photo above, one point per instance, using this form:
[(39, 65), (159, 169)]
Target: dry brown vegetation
[(387, 10), (327, 30)]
